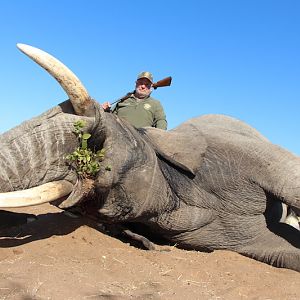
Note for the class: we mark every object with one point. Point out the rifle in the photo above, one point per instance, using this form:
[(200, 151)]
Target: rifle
[(161, 83), (164, 82)]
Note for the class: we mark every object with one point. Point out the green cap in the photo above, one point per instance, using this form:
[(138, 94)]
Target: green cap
[(147, 75)]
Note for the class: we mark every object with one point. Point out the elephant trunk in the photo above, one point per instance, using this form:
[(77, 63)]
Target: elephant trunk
[(33, 153)]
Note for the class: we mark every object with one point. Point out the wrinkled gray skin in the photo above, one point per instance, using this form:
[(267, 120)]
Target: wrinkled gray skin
[(211, 183)]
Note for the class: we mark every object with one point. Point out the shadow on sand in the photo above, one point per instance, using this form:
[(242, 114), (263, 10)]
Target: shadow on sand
[(19, 228)]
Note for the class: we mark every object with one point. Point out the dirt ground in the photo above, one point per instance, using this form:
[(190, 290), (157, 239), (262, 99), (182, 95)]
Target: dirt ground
[(58, 257)]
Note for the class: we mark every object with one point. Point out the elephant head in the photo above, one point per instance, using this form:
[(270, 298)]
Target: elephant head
[(33, 166)]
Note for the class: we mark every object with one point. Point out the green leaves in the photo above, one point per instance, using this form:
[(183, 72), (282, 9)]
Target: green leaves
[(78, 127), (83, 159)]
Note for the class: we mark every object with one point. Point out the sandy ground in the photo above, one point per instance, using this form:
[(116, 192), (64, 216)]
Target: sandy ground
[(58, 257)]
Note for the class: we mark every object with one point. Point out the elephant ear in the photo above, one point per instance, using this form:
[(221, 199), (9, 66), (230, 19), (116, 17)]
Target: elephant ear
[(183, 146)]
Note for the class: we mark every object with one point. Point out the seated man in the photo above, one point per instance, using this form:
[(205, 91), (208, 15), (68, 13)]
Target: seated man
[(138, 107)]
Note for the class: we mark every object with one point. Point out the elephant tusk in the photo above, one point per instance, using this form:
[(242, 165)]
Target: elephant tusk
[(75, 90), (37, 195)]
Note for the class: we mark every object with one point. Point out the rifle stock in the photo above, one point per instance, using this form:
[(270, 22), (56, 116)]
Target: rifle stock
[(164, 82)]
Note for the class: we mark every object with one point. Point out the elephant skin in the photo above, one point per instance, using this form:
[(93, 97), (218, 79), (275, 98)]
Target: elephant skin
[(211, 183)]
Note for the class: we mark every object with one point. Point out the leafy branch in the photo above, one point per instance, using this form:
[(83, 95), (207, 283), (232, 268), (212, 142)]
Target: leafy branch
[(85, 161)]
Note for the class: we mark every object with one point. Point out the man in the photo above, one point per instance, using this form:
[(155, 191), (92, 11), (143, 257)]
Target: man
[(138, 107)]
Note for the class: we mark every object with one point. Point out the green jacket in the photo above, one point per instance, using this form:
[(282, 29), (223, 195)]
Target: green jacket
[(142, 112)]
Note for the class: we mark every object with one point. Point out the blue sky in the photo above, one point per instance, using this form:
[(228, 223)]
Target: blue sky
[(240, 58)]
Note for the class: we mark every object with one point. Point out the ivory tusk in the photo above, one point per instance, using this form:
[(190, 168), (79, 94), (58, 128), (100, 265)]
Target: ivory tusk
[(77, 93), (37, 195)]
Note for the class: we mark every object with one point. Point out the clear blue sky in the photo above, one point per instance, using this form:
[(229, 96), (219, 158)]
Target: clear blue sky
[(236, 57)]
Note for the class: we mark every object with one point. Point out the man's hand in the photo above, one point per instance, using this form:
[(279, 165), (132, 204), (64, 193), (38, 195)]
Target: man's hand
[(106, 106)]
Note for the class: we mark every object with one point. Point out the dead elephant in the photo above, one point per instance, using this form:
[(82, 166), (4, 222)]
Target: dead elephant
[(211, 183)]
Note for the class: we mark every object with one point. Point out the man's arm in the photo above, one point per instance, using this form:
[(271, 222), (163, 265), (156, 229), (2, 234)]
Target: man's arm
[(160, 120)]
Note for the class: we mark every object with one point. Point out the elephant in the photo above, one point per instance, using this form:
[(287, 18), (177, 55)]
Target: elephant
[(211, 183)]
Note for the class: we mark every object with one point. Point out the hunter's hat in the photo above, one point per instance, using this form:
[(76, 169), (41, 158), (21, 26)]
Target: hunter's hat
[(147, 75)]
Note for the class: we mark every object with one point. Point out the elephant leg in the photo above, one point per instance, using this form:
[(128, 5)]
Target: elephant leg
[(278, 246)]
